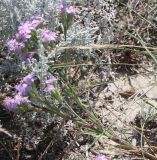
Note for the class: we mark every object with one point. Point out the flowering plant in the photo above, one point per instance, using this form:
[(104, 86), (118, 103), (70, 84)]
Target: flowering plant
[(24, 45), (25, 42), (21, 94), (67, 16), (50, 94)]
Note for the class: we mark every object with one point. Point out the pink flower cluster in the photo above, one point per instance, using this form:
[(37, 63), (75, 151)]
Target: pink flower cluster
[(24, 35), (14, 45), (47, 35), (72, 10), (25, 29), (22, 91), (12, 103)]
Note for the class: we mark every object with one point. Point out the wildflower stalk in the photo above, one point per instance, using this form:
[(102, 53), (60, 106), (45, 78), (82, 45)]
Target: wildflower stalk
[(72, 111), (59, 98), (71, 93), (91, 116), (54, 110)]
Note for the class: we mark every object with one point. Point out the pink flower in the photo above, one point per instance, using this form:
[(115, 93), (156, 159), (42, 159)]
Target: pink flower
[(51, 80), (24, 31), (26, 56), (28, 79), (10, 103), (49, 84), (21, 100), (48, 36), (63, 6), (72, 10), (23, 89), (49, 88), (35, 21), (100, 157), (15, 46)]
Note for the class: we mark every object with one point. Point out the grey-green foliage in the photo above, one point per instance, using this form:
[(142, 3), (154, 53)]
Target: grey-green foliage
[(41, 67), (12, 12)]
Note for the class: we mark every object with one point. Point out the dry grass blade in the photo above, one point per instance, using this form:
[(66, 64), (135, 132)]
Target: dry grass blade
[(137, 151), (106, 46)]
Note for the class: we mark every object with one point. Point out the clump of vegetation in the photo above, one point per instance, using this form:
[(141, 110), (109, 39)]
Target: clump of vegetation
[(77, 80)]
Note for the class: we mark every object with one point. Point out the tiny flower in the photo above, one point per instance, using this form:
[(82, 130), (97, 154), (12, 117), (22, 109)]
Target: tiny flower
[(26, 28), (72, 10), (26, 56), (10, 103), (21, 100), (51, 80), (35, 21), (49, 84), (101, 158), (14, 46), (49, 88), (63, 6), (24, 31), (23, 89), (29, 79), (47, 35)]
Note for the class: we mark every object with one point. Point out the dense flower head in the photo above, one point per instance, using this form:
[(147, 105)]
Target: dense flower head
[(101, 157), (21, 100), (23, 89), (51, 80), (35, 21), (10, 103), (47, 35), (63, 6), (26, 56), (29, 79), (49, 84), (72, 10), (49, 88), (14, 46), (25, 29)]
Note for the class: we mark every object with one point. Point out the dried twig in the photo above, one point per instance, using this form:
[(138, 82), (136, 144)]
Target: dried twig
[(18, 149), (2, 130)]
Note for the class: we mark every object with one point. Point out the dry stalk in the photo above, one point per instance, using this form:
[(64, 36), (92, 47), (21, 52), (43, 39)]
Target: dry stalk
[(106, 46)]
